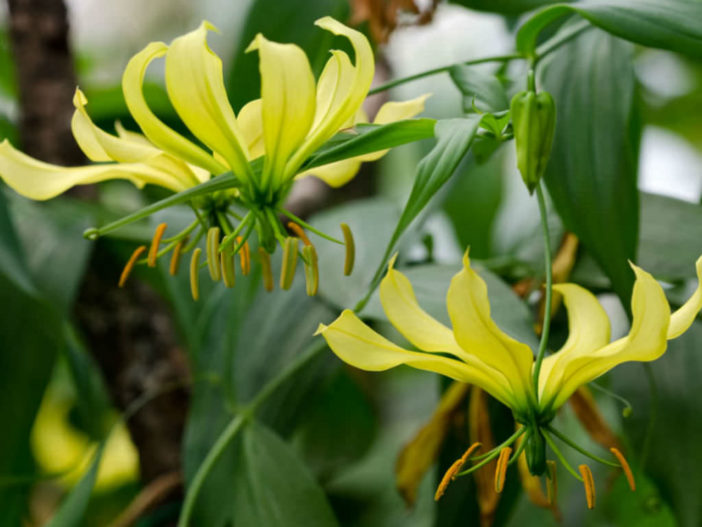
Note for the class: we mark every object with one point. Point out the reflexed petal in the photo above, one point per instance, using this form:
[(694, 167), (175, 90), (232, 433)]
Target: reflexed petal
[(158, 133), (335, 174), (345, 92), (645, 342), (357, 344), (288, 95), (589, 330), (333, 87), (196, 89), (38, 180), (469, 310), (128, 135), (251, 124), (98, 145), (395, 111), (683, 318)]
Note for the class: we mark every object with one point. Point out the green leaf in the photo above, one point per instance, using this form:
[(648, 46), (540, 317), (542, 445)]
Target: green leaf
[(367, 138), (454, 137), (72, 510), (669, 242), (505, 7), (665, 24), (675, 430), (291, 21), (29, 338), (484, 88), (592, 172), (273, 487)]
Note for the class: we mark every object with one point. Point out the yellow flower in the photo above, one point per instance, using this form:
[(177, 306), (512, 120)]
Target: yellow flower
[(477, 351), (293, 118), (265, 147)]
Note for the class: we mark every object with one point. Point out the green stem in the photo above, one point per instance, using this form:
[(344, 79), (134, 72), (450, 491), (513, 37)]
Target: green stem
[(562, 38), (549, 287), (580, 449), (560, 456), (519, 450), (308, 226), (229, 238), (237, 424), (494, 452), (443, 69)]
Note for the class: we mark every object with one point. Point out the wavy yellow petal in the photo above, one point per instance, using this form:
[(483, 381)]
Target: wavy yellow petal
[(345, 92), (358, 345), (476, 332), (98, 145), (37, 180), (158, 133), (288, 103), (196, 88), (683, 317), (251, 124), (589, 330), (646, 341)]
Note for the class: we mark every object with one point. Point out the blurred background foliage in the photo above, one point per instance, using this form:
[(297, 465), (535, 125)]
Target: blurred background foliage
[(626, 176)]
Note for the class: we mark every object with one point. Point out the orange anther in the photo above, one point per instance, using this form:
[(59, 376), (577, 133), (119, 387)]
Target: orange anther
[(130, 264), (175, 257), (244, 256), (625, 467), (299, 232), (155, 242), (589, 483), (501, 469), (453, 470)]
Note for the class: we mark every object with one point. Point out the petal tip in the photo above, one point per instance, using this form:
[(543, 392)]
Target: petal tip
[(255, 43), (320, 330), (79, 98), (391, 263)]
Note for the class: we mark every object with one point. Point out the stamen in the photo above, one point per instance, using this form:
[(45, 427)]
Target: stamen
[(350, 249), (589, 483), (227, 265), (501, 469), (299, 232), (266, 269), (213, 253), (287, 273), (130, 265), (625, 467), (155, 242), (551, 482), (244, 256), (194, 273), (453, 471), (311, 269), (175, 256)]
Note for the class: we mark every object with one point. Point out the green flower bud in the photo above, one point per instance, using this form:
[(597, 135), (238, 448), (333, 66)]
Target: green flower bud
[(533, 122)]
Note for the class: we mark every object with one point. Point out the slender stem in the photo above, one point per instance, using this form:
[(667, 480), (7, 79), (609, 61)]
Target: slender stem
[(275, 225), (561, 38), (308, 226), (580, 449), (519, 450), (549, 287), (443, 69), (237, 424), (181, 234), (628, 408), (229, 238), (494, 452), (560, 456)]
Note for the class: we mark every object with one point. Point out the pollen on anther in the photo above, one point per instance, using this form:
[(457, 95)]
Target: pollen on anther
[(195, 273), (589, 484), (266, 272), (453, 470), (244, 256), (551, 482), (501, 469), (350, 249), (299, 232), (130, 264), (625, 467), (155, 242), (287, 272), (311, 269), (175, 257)]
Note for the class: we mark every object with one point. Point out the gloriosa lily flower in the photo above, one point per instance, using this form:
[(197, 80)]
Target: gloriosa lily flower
[(265, 146), (477, 351)]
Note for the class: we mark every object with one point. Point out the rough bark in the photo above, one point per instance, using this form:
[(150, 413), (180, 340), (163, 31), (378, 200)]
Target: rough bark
[(128, 330)]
